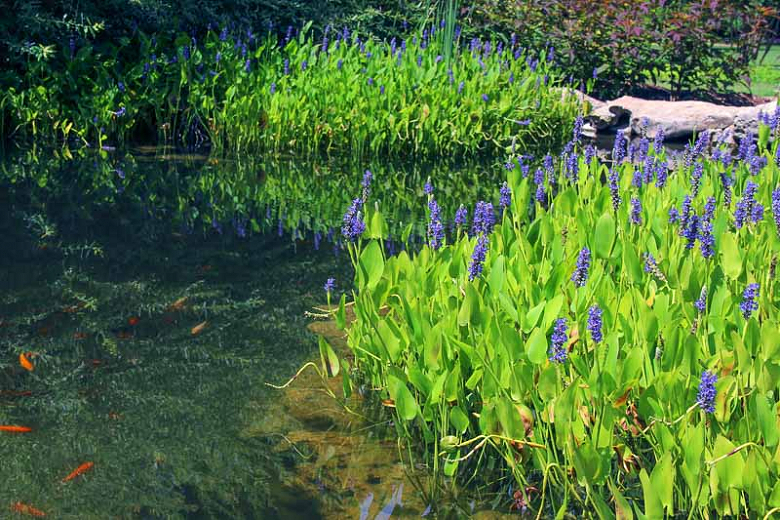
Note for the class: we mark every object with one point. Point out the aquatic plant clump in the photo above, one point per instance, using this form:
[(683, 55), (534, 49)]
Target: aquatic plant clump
[(239, 92), (642, 379)]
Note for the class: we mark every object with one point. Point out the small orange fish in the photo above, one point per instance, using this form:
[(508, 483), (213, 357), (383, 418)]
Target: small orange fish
[(15, 429), (79, 471), (79, 335), (197, 329), (25, 363), (25, 509), (178, 304), (133, 321)]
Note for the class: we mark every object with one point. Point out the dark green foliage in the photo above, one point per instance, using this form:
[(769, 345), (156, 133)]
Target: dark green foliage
[(690, 45), (54, 22)]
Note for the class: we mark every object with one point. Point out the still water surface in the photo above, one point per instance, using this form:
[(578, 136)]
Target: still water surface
[(156, 295)]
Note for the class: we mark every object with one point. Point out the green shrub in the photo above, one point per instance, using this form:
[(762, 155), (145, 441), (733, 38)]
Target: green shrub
[(690, 45)]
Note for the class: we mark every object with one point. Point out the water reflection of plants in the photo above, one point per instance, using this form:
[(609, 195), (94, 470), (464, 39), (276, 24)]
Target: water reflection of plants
[(608, 343), (237, 198)]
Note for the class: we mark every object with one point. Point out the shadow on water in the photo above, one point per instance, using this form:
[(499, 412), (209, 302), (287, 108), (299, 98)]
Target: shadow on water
[(152, 332)]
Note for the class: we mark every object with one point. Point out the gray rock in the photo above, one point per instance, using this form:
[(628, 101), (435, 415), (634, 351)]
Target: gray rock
[(678, 119)]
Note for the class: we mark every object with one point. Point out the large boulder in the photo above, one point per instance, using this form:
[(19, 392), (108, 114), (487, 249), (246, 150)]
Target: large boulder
[(678, 119)]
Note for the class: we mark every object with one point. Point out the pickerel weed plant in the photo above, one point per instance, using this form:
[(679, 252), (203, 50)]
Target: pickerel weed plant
[(594, 359), (427, 94)]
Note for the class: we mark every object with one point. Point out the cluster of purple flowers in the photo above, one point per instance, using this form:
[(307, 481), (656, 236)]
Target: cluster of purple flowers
[(541, 194), (595, 323), (707, 393), (636, 211), (478, 257), (701, 303), (748, 207), (505, 198), (330, 284), (614, 189), (461, 216), (749, 303), (698, 171), (558, 351), (353, 225), (707, 240), (776, 207), (698, 149), (580, 274), (652, 267), (484, 218), (435, 227)]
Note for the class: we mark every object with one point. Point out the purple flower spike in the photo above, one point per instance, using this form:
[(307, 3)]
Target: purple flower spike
[(506, 196), (776, 208), (580, 274), (484, 219), (701, 303), (746, 205), (461, 216), (435, 227), (558, 352), (478, 257), (707, 240), (353, 225), (749, 304), (707, 393), (595, 323), (636, 212), (330, 284)]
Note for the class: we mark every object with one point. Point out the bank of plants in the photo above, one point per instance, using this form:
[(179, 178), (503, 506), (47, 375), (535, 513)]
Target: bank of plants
[(238, 90), (601, 342)]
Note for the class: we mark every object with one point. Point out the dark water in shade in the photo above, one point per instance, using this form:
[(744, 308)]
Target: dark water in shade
[(109, 266)]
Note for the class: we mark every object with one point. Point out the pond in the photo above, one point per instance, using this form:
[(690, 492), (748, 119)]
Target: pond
[(154, 295)]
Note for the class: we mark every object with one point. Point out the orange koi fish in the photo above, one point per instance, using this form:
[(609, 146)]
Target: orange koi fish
[(25, 363), (197, 329), (15, 429), (79, 471), (133, 321), (178, 304), (25, 509)]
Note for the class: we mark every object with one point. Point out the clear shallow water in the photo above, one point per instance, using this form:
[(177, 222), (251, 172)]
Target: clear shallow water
[(106, 278)]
